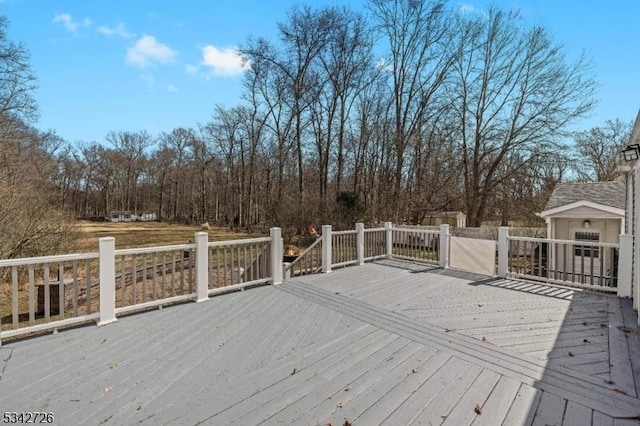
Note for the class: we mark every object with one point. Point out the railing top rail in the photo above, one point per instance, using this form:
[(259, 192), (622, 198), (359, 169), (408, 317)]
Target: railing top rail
[(239, 242), (144, 250), (301, 255), (374, 229), (417, 230), (348, 232), (48, 259), (572, 242)]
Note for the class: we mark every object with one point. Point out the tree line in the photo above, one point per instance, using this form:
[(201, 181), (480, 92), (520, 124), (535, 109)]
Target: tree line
[(408, 107)]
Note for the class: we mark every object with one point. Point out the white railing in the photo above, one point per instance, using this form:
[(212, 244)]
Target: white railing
[(374, 241), (38, 291), (589, 265), (50, 292), (344, 248), (43, 293), (151, 276), (239, 264), (354, 247), (416, 244), (307, 263)]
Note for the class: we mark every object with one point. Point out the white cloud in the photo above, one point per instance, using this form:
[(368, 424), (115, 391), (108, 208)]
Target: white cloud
[(147, 50), (118, 31), (466, 8), (68, 22), (225, 62), (171, 88)]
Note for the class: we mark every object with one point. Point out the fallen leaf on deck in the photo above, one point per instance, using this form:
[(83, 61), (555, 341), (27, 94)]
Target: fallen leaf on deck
[(444, 416), (107, 390), (340, 404), (415, 370), (618, 390), (348, 388), (571, 354), (295, 370), (610, 382), (139, 408), (113, 365), (478, 409), (346, 423), (625, 329)]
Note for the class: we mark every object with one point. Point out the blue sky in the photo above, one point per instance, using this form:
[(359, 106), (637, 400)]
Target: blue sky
[(156, 65)]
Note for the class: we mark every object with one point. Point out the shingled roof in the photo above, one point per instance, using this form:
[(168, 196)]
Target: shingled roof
[(610, 194)]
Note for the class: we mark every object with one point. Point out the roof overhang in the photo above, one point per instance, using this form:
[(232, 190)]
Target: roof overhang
[(565, 210)]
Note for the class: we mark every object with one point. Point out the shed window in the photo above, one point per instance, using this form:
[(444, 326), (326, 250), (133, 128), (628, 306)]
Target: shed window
[(591, 237)]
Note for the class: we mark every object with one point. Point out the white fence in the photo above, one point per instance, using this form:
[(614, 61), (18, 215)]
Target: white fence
[(595, 266), (51, 292), (57, 291)]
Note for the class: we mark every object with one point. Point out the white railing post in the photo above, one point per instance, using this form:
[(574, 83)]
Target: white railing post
[(360, 242), (389, 235), (444, 246), (286, 273), (276, 255), (625, 257), (326, 248), (202, 266), (503, 251), (107, 274)]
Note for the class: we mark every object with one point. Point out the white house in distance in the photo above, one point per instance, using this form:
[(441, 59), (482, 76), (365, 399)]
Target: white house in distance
[(595, 208), (590, 212)]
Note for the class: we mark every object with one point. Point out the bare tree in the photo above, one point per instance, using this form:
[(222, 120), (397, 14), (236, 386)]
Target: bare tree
[(17, 81), (598, 150), (421, 55), (514, 92)]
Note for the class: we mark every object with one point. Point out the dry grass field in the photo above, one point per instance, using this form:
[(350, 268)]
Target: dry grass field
[(148, 234)]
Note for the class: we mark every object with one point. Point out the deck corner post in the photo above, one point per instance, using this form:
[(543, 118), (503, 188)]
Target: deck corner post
[(202, 266), (107, 274), (625, 260), (503, 251), (443, 254), (326, 249), (388, 226), (360, 243), (276, 255)]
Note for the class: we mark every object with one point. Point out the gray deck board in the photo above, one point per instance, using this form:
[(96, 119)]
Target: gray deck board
[(372, 344), (600, 419), (519, 367), (475, 397), (550, 410), (577, 415), (496, 407), (379, 402), (619, 349), (633, 340), (406, 412), (524, 406)]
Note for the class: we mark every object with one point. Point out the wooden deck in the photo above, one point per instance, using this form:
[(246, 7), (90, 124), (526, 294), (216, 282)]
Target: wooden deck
[(390, 342)]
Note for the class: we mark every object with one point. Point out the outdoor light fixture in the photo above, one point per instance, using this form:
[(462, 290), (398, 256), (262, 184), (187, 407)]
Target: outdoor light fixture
[(587, 223), (631, 152)]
